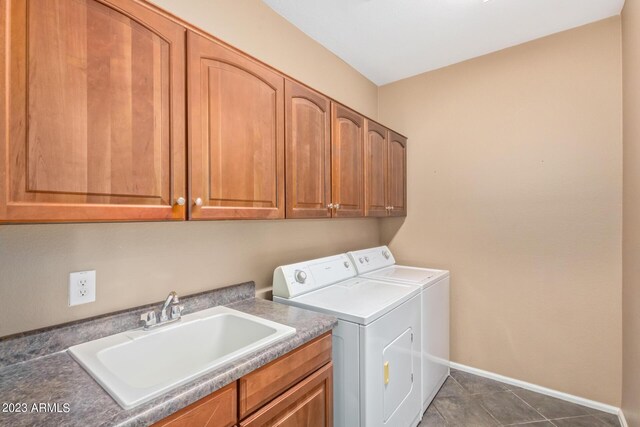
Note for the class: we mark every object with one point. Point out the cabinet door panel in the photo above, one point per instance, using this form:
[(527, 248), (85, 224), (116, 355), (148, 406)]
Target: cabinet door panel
[(236, 137), (309, 404), (308, 158), (347, 147), (397, 174), (96, 112), (376, 170), (219, 409)]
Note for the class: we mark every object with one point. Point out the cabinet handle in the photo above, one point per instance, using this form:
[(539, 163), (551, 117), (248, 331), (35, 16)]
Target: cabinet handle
[(330, 206), (391, 207), (337, 206), (198, 202), (180, 201)]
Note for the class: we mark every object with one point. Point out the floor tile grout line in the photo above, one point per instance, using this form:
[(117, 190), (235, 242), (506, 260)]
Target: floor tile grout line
[(529, 405), (436, 409)]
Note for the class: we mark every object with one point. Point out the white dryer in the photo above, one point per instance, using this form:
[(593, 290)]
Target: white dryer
[(376, 345), (379, 264)]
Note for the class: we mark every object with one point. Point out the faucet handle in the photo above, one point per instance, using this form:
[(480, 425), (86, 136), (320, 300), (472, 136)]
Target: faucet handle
[(149, 318), (176, 311)]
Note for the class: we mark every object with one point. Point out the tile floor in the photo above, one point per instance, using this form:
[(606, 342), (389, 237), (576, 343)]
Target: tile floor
[(466, 400)]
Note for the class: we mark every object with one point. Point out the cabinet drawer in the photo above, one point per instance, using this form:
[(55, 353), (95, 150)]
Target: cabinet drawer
[(259, 387), (309, 404), (215, 410)]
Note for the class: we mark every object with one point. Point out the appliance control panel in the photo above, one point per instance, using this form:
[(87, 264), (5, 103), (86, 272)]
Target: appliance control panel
[(292, 280), (367, 260)]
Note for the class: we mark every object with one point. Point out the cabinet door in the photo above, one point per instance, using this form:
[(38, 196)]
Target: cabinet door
[(308, 142), (347, 146), (216, 410), (94, 117), (309, 404), (376, 170), (236, 134), (397, 174)]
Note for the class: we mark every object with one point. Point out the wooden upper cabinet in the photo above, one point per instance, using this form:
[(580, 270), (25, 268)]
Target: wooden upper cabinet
[(347, 150), (397, 174), (376, 171), (236, 134), (94, 113), (308, 142)]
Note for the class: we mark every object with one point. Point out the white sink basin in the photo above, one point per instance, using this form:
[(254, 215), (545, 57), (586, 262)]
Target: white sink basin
[(138, 365)]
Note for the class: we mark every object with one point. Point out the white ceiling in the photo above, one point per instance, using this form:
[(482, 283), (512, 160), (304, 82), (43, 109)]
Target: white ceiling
[(388, 40)]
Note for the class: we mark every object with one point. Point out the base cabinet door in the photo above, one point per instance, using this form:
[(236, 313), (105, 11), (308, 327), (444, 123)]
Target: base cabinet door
[(308, 158), (347, 150), (236, 134), (397, 174), (309, 404), (94, 124), (216, 410), (375, 170)]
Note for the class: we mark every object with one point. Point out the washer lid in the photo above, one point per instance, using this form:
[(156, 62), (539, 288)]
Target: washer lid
[(357, 300), (405, 274)]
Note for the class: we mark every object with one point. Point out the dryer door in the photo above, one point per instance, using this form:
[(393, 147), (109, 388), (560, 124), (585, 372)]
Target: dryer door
[(398, 372), (391, 375)]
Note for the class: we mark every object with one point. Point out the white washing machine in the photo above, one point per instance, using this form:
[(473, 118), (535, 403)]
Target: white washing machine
[(379, 264), (376, 345)]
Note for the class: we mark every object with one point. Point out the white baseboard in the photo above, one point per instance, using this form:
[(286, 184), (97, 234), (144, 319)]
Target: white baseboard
[(623, 420), (543, 390)]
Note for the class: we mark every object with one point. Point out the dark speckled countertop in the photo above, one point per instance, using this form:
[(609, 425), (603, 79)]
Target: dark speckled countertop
[(56, 378)]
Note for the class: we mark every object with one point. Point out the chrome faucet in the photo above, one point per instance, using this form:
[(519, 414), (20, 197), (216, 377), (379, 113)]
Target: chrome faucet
[(171, 311)]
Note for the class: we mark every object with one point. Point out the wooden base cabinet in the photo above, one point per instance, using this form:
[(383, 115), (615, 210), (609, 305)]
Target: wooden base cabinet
[(94, 120), (308, 404), (217, 410)]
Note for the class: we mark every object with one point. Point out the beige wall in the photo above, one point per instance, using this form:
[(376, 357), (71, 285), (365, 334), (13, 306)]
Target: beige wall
[(141, 263), (631, 215), (255, 28), (514, 184)]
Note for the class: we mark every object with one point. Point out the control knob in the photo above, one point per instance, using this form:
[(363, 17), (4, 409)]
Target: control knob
[(386, 254), (300, 276)]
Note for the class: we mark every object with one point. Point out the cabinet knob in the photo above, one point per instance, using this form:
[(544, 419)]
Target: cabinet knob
[(180, 201), (330, 206), (337, 206), (391, 207), (198, 202)]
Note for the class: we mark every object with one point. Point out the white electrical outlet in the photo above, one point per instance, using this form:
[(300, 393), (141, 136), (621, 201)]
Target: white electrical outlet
[(82, 287)]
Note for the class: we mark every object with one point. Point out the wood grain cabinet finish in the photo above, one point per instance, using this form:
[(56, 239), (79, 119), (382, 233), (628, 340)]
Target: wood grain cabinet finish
[(262, 385), (308, 404), (308, 152), (397, 174), (93, 123), (216, 410), (236, 134), (376, 148), (347, 151)]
